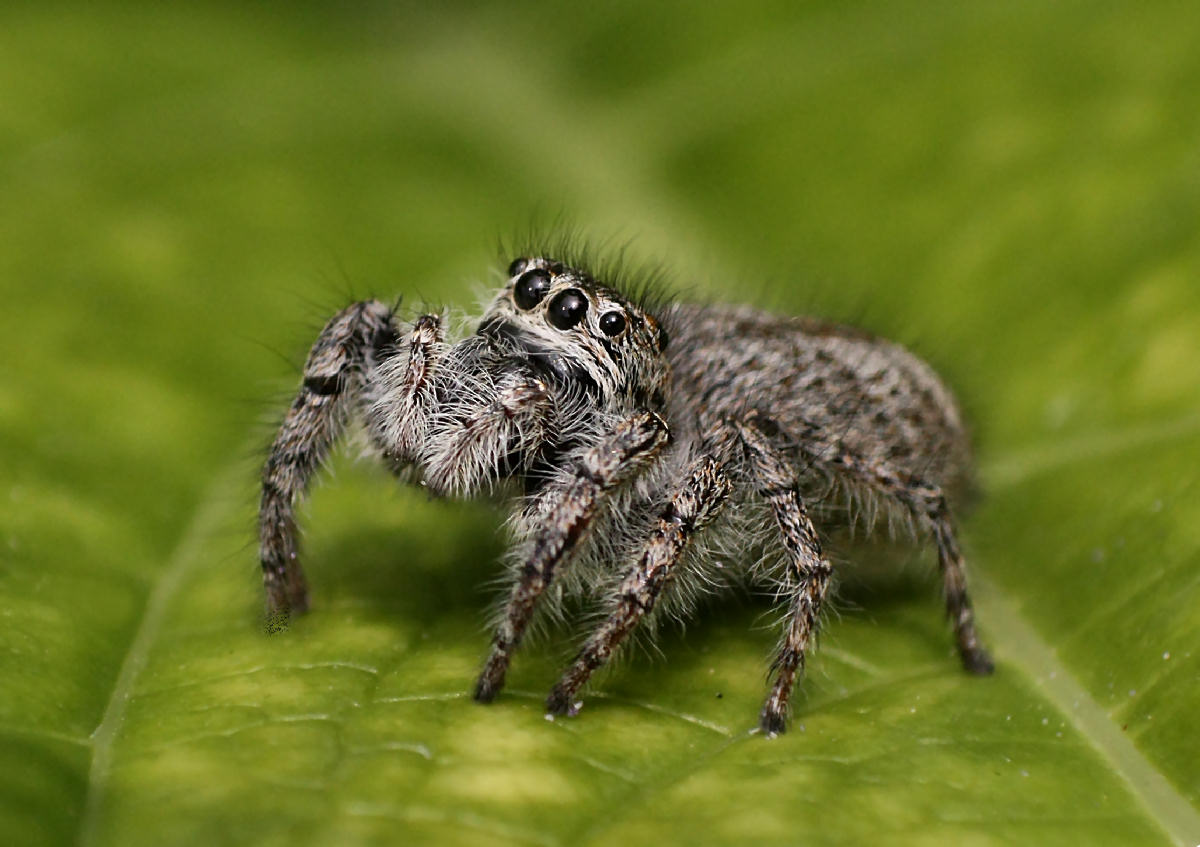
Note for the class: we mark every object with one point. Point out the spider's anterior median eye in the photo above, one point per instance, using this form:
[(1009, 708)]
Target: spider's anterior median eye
[(531, 287), (567, 308), (612, 323)]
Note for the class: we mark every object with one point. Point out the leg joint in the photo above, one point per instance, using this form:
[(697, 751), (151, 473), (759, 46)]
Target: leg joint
[(323, 385)]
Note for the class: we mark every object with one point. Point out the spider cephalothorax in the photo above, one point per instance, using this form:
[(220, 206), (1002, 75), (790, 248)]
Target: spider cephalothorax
[(635, 461)]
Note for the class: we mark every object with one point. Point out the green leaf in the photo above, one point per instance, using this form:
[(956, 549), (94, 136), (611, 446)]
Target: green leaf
[(1011, 188)]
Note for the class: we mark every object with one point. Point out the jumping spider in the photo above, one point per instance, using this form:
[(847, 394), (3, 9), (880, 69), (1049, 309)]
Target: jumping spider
[(643, 446)]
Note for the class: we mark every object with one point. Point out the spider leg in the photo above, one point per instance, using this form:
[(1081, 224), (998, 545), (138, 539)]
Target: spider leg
[(618, 458), (694, 506), (333, 378), (927, 503), (808, 572)]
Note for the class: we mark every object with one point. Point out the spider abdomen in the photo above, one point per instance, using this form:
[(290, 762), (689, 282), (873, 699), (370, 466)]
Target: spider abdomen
[(872, 396)]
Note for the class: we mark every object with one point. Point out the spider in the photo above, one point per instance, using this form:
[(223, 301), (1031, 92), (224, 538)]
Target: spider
[(650, 454)]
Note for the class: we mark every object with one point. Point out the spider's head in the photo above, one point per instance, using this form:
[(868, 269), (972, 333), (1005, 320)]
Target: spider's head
[(584, 335)]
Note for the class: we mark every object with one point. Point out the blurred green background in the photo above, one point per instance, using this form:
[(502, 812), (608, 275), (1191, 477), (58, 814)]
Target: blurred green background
[(1013, 188)]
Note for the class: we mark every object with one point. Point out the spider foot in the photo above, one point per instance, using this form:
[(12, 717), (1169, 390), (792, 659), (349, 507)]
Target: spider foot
[(491, 678), (562, 703), (284, 600), (772, 721), (977, 661)]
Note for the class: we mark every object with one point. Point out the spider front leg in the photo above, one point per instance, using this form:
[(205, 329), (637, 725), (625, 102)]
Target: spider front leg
[(619, 457), (808, 571), (699, 501), (349, 345)]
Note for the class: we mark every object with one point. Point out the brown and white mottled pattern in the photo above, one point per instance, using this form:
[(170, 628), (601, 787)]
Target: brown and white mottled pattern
[(655, 455)]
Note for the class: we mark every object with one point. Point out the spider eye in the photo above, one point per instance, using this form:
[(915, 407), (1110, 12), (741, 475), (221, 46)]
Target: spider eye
[(612, 323), (531, 287), (567, 308), (518, 265)]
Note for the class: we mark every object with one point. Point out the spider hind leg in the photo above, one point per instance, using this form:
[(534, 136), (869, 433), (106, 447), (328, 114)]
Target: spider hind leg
[(808, 573), (927, 503)]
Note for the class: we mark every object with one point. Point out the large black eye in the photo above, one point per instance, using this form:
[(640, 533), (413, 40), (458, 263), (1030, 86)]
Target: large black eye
[(567, 308), (531, 287), (612, 323)]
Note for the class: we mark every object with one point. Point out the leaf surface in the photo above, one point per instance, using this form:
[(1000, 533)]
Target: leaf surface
[(1009, 188)]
